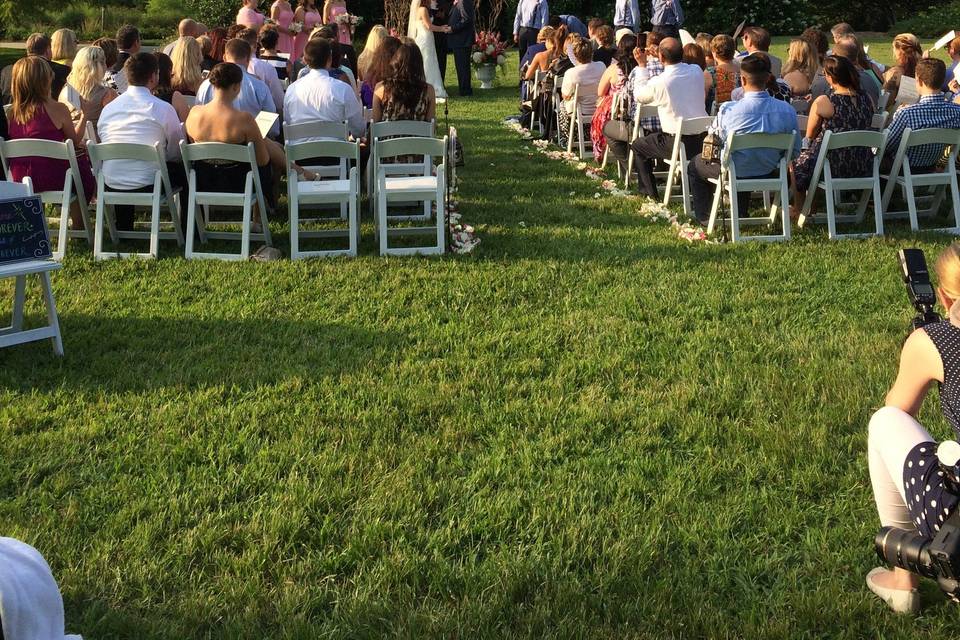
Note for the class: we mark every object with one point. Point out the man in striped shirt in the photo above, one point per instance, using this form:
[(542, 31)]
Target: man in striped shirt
[(931, 112)]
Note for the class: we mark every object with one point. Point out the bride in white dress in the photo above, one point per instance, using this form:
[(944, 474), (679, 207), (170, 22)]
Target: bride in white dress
[(421, 28)]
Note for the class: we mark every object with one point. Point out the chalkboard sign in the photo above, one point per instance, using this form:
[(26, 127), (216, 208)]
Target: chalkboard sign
[(23, 230)]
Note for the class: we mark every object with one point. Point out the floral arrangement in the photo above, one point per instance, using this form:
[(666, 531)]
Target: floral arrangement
[(296, 27), (349, 20), (488, 48)]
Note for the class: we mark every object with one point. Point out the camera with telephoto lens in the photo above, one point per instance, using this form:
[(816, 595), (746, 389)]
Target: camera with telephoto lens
[(939, 558), (919, 290)]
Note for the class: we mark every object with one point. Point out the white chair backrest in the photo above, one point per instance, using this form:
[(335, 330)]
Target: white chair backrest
[(802, 124), (414, 128), (416, 146), (882, 101), (745, 141), (693, 126), (315, 129), (126, 151), (920, 137), (26, 148), (869, 139), (800, 105), (90, 133), (10, 189), (879, 120), (191, 101), (199, 151), (322, 149)]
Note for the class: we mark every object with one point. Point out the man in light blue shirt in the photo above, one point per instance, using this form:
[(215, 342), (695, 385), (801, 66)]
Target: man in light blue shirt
[(254, 94), (757, 112), (532, 15), (626, 15), (666, 17)]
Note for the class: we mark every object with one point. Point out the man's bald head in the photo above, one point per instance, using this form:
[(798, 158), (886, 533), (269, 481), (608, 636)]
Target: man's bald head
[(187, 27), (671, 51), (846, 48)]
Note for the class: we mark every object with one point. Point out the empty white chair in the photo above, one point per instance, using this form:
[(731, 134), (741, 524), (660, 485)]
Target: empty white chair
[(420, 167), (833, 187), (778, 185), (405, 189), (313, 192), (678, 161), (902, 175), (162, 197), (72, 192), (231, 154), (643, 111), (14, 333)]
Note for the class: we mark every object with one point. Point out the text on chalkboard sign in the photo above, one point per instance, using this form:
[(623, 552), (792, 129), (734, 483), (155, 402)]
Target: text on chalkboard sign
[(23, 230)]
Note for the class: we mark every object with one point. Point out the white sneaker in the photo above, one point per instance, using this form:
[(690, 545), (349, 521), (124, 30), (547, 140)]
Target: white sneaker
[(900, 600)]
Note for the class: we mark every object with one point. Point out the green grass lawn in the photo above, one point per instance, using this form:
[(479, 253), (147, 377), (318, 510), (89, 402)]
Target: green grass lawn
[(589, 428)]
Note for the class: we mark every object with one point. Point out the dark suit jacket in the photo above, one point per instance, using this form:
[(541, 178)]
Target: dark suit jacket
[(60, 73), (462, 21)]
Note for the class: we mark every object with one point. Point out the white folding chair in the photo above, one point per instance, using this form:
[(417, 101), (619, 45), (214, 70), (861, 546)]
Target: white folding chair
[(72, 192), (678, 162), (834, 187), (801, 106), (429, 189), (396, 129), (316, 130), (219, 152), (879, 121), (191, 101), (779, 185), (163, 196), (902, 175), (15, 333), (578, 120), (802, 125), (90, 133), (643, 111), (312, 192), (532, 94), (882, 101)]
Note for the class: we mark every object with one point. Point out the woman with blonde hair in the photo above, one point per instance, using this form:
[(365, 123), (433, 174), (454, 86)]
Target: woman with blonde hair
[(187, 58), (906, 52), (63, 46), (85, 93), (801, 67), (36, 115), (374, 38)]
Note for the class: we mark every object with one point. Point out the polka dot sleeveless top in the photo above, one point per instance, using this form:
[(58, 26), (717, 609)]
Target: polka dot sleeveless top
[(928, 500)]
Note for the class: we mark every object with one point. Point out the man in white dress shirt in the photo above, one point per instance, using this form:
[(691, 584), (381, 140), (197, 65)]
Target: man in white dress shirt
[(317, 96), (137, 116), (677, 93), (262, 69), (254, 95)]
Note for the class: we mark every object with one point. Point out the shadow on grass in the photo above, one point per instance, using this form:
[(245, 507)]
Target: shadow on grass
[(122, 354)]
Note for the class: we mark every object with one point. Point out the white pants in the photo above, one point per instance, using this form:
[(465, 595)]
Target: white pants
[(893, 434)]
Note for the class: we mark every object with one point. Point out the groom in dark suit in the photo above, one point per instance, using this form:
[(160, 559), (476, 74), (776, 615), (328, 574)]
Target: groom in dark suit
[(460, 39)]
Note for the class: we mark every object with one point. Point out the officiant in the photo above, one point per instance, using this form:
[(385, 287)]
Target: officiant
[(440, 13)]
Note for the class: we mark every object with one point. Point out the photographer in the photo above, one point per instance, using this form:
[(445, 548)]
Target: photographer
[(908, 482)]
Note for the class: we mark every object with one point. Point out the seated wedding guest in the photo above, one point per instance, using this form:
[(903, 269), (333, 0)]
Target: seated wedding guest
[(906, 53), (953, 50), (677, 93), (377, 33), (618, 131), (931, 112), (538, 55), (186, 29), (378, 69), (206, 48), (725, 74), (187, 72), (851, 48), (405, 94), (37, 45), (248, 16), (801, 67), (703, 40), (776, 87), (847, 48), (573, 24), (758, 39), (817, 40), (31, 607), (218, 40), (63, 46), (612, 82), (586, 74), (847, 107), (693, 54), (592, 25), (261, 68), (756, 113), (269, 40), (110, 53), (317, 96), (165, 90), (606, 49), (139, 117), (85, 94), (561, 63), (128, 43), (254, 95), (36, 115)]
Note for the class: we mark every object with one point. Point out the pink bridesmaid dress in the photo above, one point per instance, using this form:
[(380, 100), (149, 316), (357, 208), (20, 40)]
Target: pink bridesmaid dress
[(344, 29), (250, 18), (283, 20), (311, 19)]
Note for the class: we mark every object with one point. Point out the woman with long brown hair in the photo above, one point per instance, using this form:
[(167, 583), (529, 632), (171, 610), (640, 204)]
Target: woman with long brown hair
[(907, 52), (379, 68), (405, 94), (36, 115)]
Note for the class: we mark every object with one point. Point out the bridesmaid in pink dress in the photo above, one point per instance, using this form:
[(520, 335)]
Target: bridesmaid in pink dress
[(282, 13), (332, 9), (248, 15), (310, 18)]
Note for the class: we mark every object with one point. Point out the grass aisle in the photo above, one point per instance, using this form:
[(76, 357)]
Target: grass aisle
[(589, 428)]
